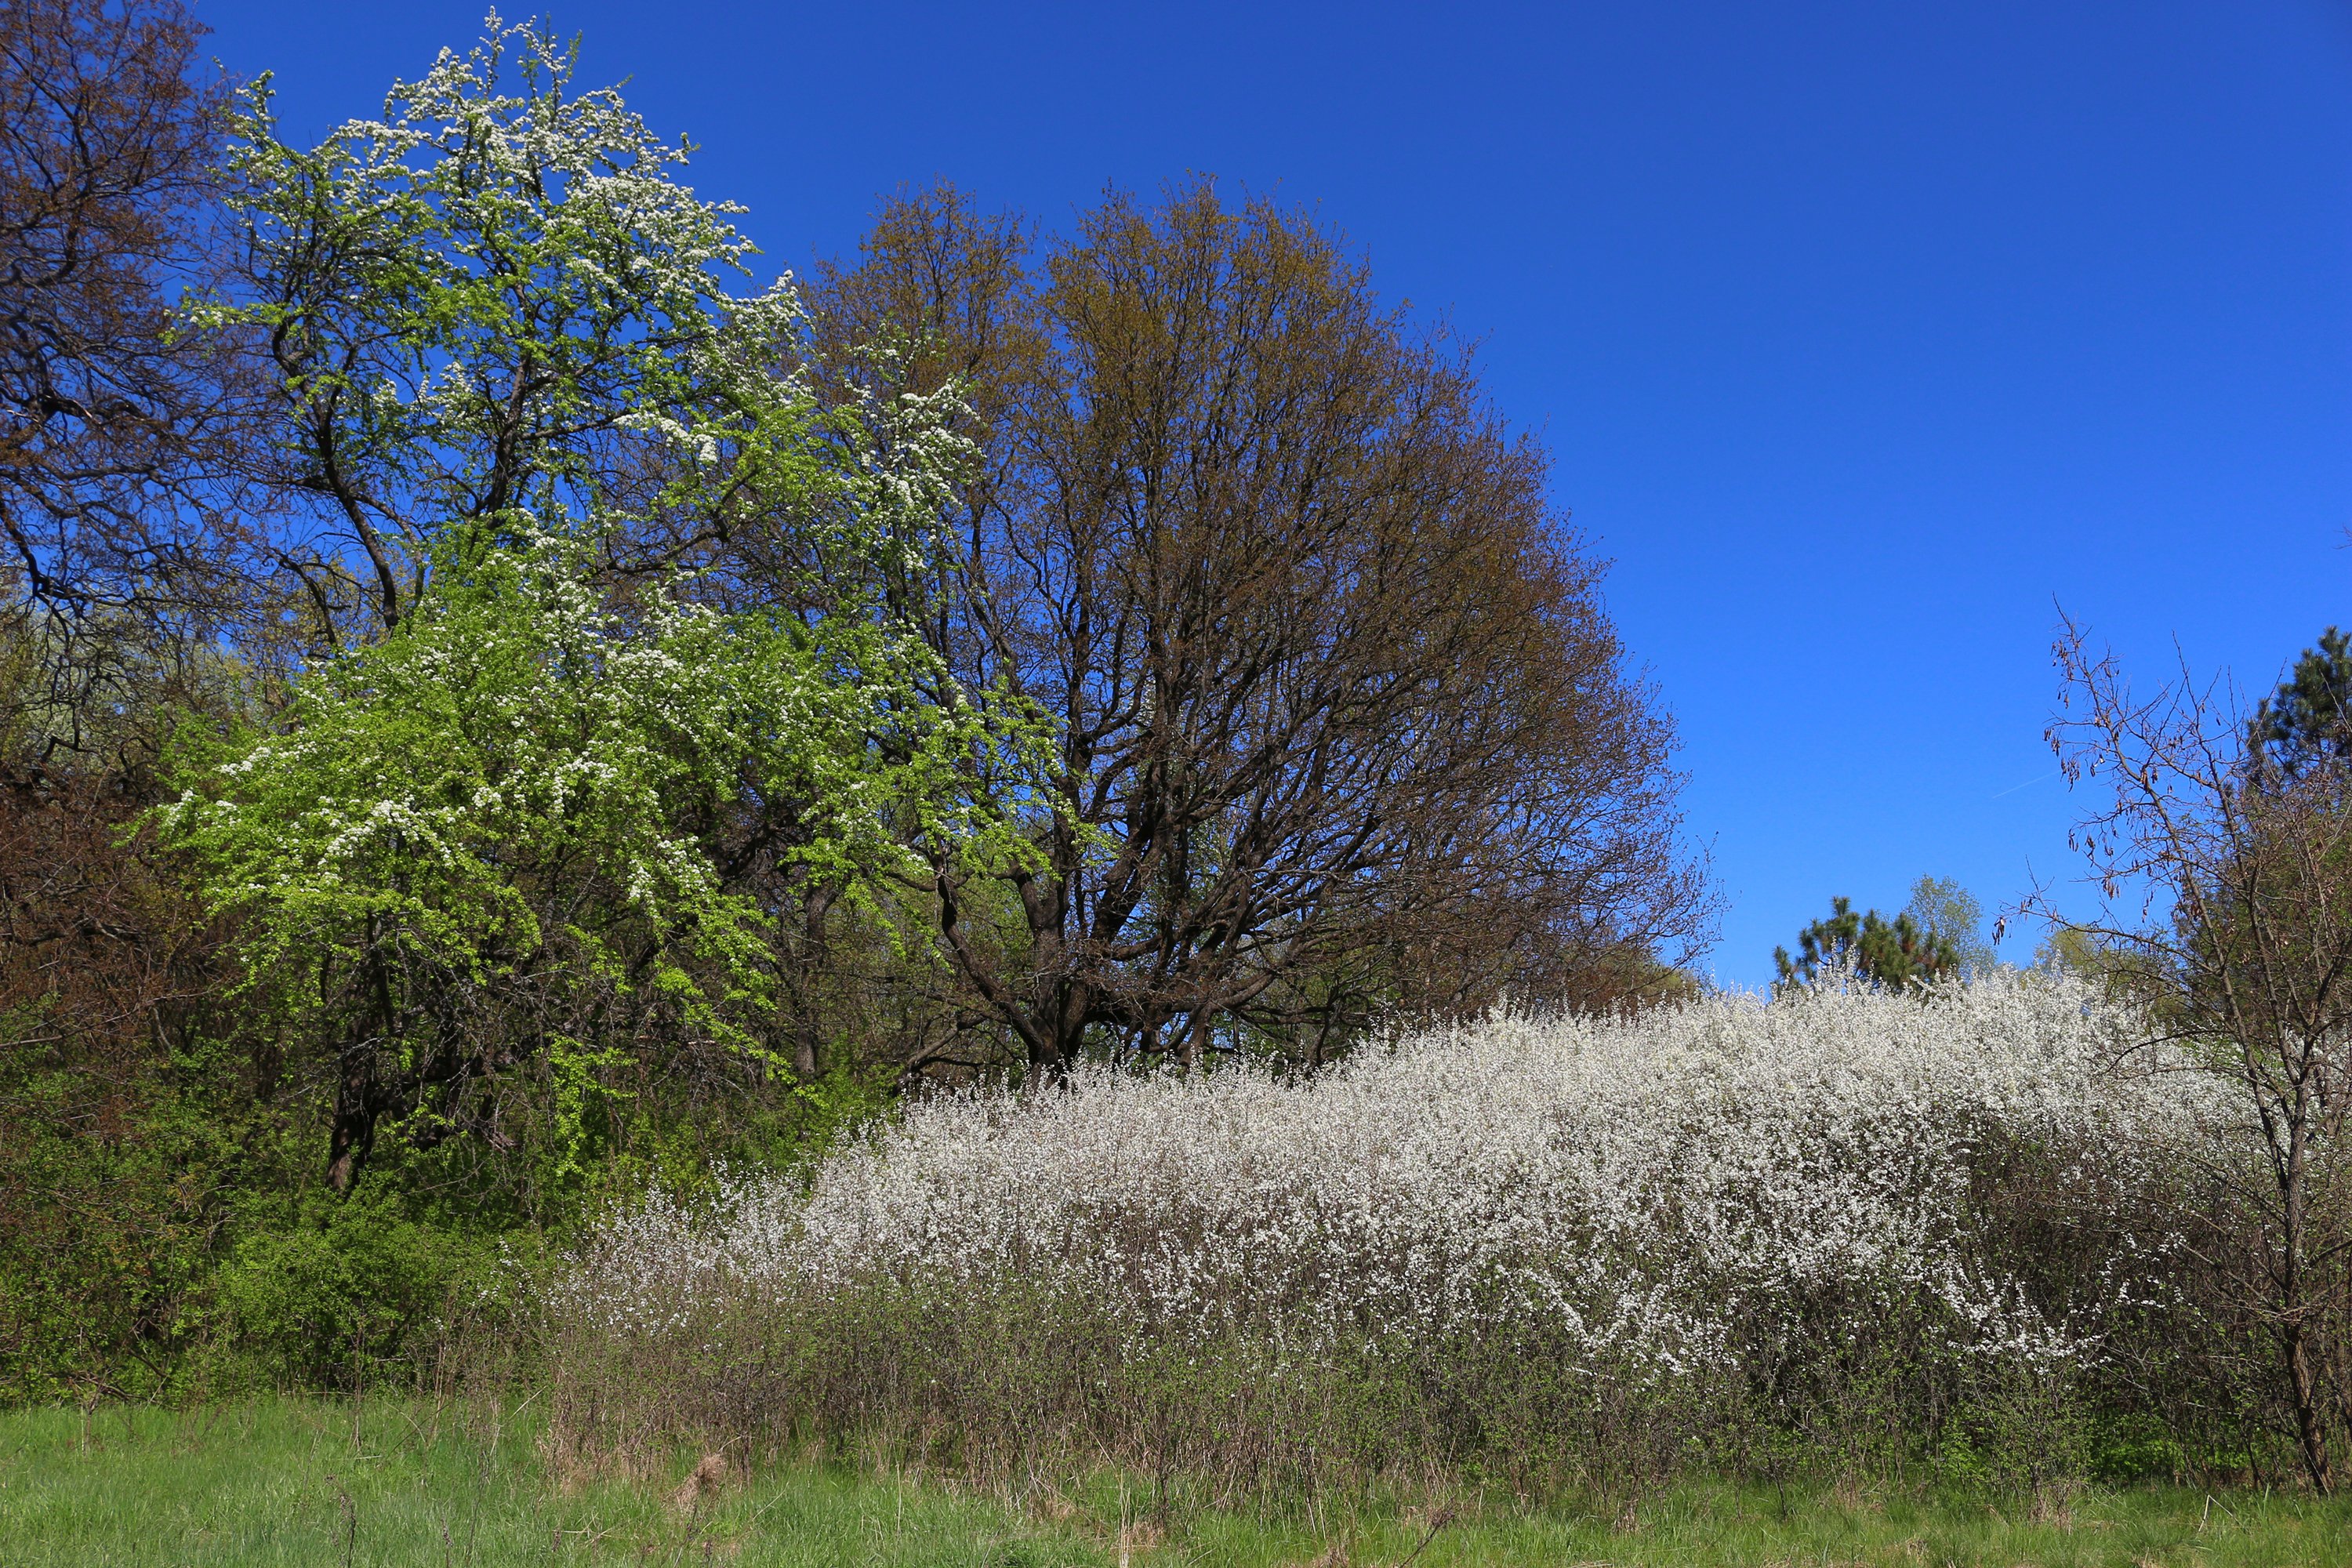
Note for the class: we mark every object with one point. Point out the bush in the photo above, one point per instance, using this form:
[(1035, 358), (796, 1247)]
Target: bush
[(106, 1217), (342, 1286), (1845, 1226)]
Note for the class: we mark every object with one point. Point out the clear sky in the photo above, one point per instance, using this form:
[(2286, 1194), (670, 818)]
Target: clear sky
[(1864, 335)]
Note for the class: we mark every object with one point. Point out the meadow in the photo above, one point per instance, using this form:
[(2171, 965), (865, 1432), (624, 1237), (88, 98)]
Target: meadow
[(1846, 1277), (409, 1481)]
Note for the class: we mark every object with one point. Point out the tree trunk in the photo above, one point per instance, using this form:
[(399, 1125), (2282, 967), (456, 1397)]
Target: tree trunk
[(2310, 1433), (354, 1132), (358, 1096), (816, 903), (2294, 1181), (1196, 1039), (1061, 1038)]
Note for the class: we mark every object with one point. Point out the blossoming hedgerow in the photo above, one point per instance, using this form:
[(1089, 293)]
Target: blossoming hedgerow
[(1665, 1194)]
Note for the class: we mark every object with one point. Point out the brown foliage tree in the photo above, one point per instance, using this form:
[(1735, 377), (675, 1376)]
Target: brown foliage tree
[(1340, 722), (112, 428), (117, 565), (2227, 892)]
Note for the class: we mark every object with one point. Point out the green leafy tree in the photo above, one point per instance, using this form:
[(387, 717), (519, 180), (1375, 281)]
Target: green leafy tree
[(516, 851), (499, 311), (1343, 728), (1940, 905), (1893, 953)]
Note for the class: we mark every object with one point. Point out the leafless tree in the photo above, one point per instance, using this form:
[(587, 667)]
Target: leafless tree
[(1339, 721), (2228, 902)]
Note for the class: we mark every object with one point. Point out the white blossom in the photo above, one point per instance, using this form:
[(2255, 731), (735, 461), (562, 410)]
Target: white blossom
[(1660, 1192)]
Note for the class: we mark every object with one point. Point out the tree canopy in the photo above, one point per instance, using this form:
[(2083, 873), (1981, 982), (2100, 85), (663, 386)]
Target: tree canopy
[(2304, 724), (1340, 721), (1941, 905), (500, 834)]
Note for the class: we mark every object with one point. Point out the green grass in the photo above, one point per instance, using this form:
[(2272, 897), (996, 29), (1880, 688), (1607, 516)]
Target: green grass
[(309, 1482), (270, 1482)]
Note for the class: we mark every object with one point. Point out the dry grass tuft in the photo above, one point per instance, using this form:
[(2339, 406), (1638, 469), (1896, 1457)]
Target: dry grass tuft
[(1340, 1554), (1136, 1539), (2053, 1505), (707, 1475)]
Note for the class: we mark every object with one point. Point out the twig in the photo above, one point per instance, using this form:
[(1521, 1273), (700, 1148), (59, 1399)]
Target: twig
[(1443, 1517), (351, 1519)]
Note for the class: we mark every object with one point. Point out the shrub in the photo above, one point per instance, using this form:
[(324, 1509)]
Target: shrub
[(1843, 1226)]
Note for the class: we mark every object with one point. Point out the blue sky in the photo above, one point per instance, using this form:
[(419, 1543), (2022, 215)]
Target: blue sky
[(1863, 336)]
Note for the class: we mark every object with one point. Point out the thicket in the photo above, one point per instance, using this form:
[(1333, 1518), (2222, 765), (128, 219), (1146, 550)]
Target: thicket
[(1964, 1232), (2223, 855)]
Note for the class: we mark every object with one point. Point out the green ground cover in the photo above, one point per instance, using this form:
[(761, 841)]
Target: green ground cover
[(407, 1482)]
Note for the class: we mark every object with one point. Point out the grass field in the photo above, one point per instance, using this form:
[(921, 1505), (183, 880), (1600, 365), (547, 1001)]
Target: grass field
[(313, 1482)]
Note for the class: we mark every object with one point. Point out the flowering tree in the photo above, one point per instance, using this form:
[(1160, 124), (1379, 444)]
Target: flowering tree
[(529, 815), (500, 309)]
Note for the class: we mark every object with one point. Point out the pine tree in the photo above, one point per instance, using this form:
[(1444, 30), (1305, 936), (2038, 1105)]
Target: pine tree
[(1893, 953), (2308, 720)]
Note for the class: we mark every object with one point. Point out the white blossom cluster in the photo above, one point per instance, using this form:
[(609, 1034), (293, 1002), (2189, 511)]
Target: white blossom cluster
[(1663, 1192)]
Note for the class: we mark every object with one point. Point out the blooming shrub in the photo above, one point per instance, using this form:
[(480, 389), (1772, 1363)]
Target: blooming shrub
[(1846, 1214)]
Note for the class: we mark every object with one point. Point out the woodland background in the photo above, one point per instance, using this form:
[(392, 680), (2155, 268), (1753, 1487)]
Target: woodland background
[(1287, 703)]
